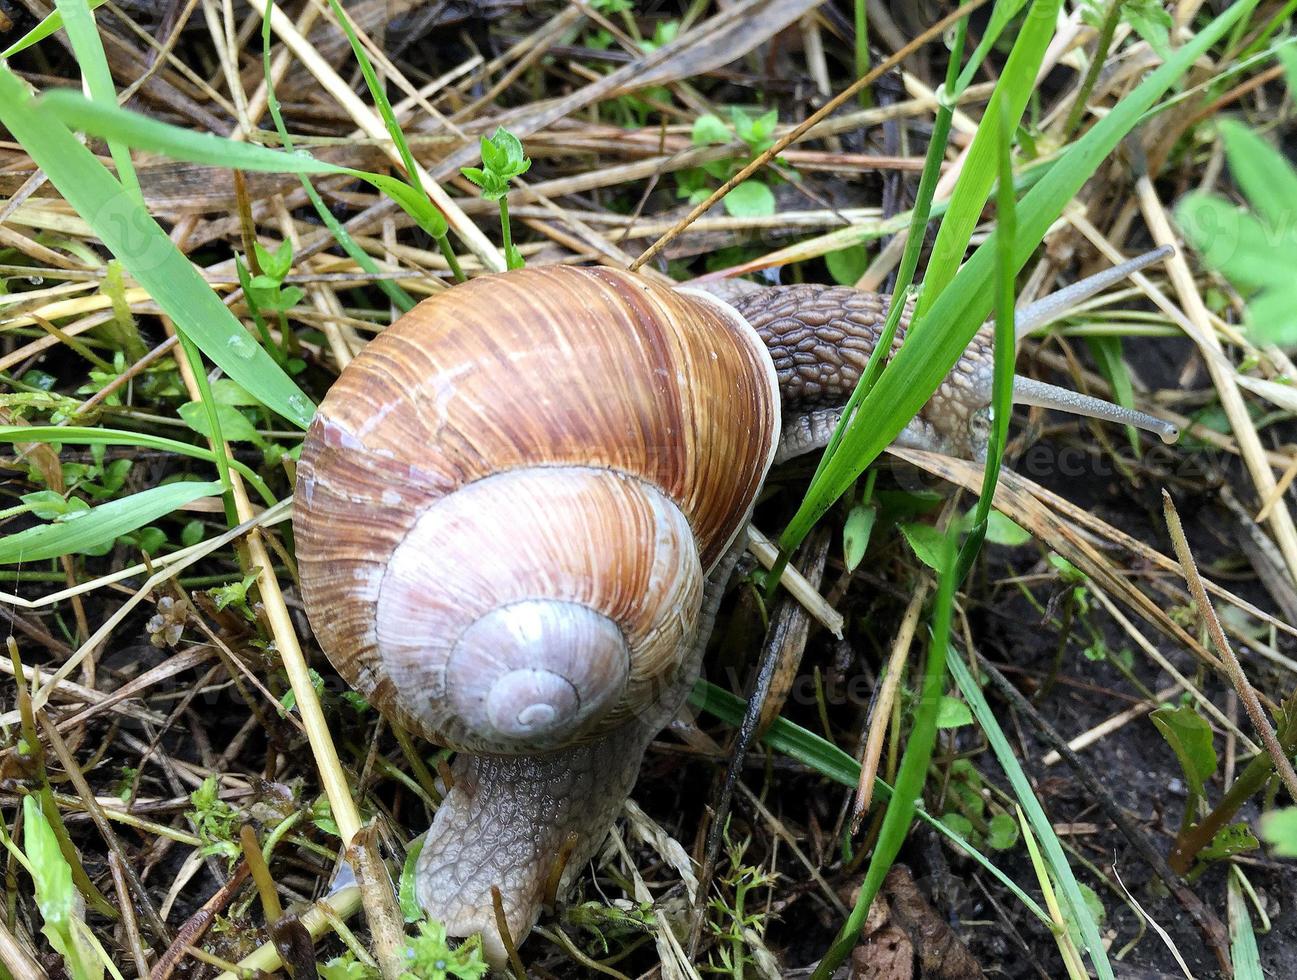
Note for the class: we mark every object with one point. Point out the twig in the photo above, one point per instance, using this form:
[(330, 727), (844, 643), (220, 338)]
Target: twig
[(1247, 694)]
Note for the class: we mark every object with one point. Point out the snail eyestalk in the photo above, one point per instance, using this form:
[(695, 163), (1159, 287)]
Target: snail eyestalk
[(1037, 314), (1029, 392)]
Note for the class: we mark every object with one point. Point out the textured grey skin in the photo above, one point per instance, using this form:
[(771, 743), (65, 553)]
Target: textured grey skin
[(820, 338), (508, 817)]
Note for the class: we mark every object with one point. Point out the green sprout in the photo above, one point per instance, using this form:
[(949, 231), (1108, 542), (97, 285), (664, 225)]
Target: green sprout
[(502, 160)]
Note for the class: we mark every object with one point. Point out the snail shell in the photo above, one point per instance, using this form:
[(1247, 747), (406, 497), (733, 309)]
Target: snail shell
[(508, 504)]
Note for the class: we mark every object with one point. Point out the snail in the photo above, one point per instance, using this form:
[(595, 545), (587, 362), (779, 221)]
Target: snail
[(516, 511)]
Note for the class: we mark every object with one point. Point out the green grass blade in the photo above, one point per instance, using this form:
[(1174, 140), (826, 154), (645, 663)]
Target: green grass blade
[(913, 773), (1242, 937), (131, 234), (783, 736), (1008, 102), (831, 762), (378, 95), (403, 300), (1107, 354), (89, 436), (935, 342), (89, 51), (100, 525), (1005, 350), (52, 23), (1003, 13), (1059, 868), (143, 133)]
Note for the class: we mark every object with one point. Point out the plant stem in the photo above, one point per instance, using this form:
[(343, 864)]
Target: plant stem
[(862, 51), (1110, 21), (443, 242), (507, 236)]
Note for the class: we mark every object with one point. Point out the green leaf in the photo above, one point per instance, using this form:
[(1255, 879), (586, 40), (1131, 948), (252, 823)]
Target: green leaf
[(1279, 830), (1263, 173), (1002, 531), (409, 901), (1271, 318), (56, 896), (1189, 736), (146, 251), (958, 824), (430, 955), (1002, 832), (856, 532), (750, 199), (847, 265), (229, 392), (49, 504), (1093, 905), (234, 424), (927, 542), (101, 525), (1152, 22), (1235, 838), (709, 129), (1236, 243), (953, 713), (347, 967)]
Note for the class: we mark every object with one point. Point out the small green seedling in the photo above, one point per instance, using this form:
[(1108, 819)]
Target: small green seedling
[(502, 160), (429, 956), (61, 905), (753, 197), (215, 821)]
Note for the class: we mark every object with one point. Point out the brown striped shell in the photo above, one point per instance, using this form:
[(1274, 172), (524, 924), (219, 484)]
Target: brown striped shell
[(508, 503)]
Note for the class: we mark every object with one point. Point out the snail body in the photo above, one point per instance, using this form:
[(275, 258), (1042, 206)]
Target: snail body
[(516, 511)]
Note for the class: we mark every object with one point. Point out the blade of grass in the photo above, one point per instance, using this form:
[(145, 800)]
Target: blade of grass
[(1008, 102), (919, 217), (910, 778), (89, 51), (935, 342), (141, 132), (831, 762), (403, 300), (88, 436), (393, 127), (51, 24), (1058, 923), (131, 234), (1243, 949), (99, 525), (923, 204), (84, 35), (1061, 871), (1004, 350)]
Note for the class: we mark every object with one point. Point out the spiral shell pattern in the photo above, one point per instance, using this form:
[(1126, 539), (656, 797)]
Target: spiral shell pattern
[(508, 503)]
